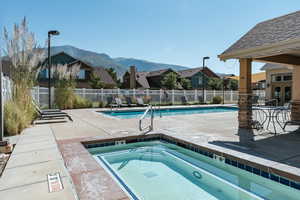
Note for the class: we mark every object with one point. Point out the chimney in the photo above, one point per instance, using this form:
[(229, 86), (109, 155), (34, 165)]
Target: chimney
[(132, 77)]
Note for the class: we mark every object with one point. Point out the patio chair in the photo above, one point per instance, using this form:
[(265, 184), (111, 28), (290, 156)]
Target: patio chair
[(184, 100), (120, 103), (37, 107), (254, 100), (129, 102), (140, 102), (111, 103)]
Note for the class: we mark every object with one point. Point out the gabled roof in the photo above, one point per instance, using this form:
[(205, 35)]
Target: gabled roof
[(266, 33), (189, 72), (104, 75), (159, 72), (141, 78)]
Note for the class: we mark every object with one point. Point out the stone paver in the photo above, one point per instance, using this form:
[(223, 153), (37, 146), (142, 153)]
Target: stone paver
[(25, 176)]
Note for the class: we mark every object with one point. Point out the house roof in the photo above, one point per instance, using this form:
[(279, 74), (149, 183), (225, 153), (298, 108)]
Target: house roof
[(104, 75), (261, 76), (189, 72), (269, 32), (141, 78), (269, 66), (158, 72)]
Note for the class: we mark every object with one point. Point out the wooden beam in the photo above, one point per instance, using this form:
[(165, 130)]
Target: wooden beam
[(285, 59)]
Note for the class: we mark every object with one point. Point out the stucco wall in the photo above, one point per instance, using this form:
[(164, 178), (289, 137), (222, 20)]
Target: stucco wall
[(269, 74)]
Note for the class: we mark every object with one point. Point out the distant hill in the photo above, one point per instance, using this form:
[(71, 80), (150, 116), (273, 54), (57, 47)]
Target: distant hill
[(93, 58), (121, 65), (144, 65)]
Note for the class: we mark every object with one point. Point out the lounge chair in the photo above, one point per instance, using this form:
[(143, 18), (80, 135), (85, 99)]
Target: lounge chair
[(129, 102), (111, 103), (140, 102), (184, 100), (51, 113), (120, 103)]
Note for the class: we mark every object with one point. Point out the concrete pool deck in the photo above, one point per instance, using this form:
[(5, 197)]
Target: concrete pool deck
[(37, 154)]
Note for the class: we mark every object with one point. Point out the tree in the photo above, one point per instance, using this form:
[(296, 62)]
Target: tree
[(232, 84), (185, 83), (170, 81), (96, 82), (114, 76), (215, 84)]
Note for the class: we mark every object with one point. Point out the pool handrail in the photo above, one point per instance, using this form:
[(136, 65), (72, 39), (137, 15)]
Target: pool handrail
[(150, 127)]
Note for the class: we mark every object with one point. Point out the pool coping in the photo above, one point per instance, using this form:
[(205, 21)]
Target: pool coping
[(83, 167)]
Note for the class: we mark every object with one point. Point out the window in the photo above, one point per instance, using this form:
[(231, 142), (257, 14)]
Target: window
[(287, 77), (277, 78), (81, 74)]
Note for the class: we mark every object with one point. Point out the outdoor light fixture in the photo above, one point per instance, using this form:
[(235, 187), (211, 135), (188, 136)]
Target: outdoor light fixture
[(203, 82), (52, 32)]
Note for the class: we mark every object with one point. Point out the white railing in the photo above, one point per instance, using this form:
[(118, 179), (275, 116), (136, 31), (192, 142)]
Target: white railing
[(150, 126), (6, 88), (40, 94)]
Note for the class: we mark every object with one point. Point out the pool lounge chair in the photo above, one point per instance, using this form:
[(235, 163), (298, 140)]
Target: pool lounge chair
[(129, 102), (120, 103), (184, 100), (140, 102), (111, 103), (51, 113)]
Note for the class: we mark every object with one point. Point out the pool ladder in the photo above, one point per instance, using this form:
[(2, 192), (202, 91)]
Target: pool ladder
[(149, 127)]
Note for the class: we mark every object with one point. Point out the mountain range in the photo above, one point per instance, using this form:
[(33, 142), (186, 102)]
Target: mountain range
[(121, 65)]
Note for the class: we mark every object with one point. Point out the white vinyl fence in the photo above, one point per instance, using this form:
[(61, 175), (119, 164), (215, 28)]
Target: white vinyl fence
[(7, 88), (40, 94)]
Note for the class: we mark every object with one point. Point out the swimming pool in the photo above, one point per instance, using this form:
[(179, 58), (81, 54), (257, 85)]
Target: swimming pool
[(160, 170), (128, 114)]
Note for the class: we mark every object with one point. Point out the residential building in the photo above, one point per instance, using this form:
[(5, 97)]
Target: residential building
[(278, 82), (84, 75), (258, 80), (195, 75), (152, 79), (144, 80)]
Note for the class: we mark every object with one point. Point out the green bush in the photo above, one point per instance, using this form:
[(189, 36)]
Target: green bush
[(16, 118), (217, 100), (80, 102)]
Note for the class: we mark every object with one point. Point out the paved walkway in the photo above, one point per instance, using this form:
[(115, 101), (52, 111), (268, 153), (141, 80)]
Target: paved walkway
[(25, 176), (36, 153)]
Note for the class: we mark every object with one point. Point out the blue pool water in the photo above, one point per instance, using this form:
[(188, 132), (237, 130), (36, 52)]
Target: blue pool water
[(158, 170), (169, 112)]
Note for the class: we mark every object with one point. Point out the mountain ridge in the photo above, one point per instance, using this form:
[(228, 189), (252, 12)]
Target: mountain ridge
[(120, 64)]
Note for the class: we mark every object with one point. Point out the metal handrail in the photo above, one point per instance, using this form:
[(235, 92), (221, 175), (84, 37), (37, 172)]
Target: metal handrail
[(150, 127)]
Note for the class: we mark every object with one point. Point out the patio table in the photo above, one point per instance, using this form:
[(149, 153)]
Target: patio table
[(271, 114)]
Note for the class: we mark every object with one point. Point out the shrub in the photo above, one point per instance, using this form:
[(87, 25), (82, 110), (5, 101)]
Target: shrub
[(101, 104), (81, 102), (217, 100), (16, 118), (64, 96)]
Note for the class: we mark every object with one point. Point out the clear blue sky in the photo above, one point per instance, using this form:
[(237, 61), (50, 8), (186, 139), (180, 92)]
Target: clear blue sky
[(168, 31)]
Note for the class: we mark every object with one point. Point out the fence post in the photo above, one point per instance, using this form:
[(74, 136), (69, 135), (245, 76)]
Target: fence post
[(214, 93), (147, 92), (173, 97), (160, 94), (195, 95), (231, 96), (204, 98), (102, 95), (118, 92), (133, 93)]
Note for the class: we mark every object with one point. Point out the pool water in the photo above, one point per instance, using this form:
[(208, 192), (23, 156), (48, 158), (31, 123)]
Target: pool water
[(169, 112), (158, 170)]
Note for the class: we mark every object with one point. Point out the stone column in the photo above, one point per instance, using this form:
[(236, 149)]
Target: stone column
[(245, 104), (296, 94)]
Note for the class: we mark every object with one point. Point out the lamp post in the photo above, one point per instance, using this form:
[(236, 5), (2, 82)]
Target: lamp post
[(52, 32), (203, 82)]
